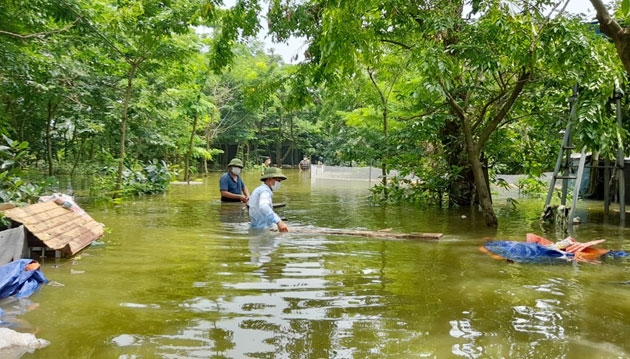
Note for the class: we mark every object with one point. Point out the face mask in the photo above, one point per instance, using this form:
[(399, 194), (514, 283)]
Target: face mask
[(236, 170), (276, 186)]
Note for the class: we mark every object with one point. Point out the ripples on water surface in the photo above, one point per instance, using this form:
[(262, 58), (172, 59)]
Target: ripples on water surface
[(178, 276)]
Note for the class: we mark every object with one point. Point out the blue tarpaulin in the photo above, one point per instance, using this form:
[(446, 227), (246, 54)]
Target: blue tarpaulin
[(526, 252), (532, 252), (16, 280)]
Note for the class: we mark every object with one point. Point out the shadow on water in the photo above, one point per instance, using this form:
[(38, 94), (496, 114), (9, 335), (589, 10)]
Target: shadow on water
[(181, 276)]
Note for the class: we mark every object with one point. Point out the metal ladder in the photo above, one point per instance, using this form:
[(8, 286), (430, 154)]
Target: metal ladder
[(562, 171)]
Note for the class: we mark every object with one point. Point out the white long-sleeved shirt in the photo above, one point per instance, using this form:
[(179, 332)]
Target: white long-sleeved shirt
[(261, 213)]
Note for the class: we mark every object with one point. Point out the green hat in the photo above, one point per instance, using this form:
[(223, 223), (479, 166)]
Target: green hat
[(272, 172), (235, 162)]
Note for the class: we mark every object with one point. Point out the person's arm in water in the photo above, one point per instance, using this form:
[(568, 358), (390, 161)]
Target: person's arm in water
[(246, 193), (241, 197), (282, 227)]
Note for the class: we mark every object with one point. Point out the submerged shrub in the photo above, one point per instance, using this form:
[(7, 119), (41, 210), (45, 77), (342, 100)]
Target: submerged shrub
[(137, 180), (532, 187), (400, 190), (13, 187)]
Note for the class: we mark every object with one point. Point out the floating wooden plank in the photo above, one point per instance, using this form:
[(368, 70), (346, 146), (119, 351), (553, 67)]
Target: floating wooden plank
[(275, 205), (385, 233)]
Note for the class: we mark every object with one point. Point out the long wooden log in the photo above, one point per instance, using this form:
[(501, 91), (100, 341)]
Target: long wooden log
[(385, 233)]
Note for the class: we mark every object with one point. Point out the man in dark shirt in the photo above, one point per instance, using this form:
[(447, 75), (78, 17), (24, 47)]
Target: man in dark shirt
[(231, 185)]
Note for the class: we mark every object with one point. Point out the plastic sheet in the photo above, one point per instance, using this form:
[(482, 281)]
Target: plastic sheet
[(20, 278), (538, 249), (526, 252)]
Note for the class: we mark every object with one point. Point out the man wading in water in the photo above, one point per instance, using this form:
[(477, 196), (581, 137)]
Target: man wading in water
[(261, 213), (231, 185)]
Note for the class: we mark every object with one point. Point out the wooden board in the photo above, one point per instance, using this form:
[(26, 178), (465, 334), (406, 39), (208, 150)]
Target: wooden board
[(275, 205), (365, 233)]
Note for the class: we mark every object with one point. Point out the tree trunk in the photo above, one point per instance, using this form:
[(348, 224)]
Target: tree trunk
[(475, 142), (77, 157), (620, 36), (205, 161), (49, 149), (485, 199), (123, 128), (461, 190), (190, 149), (384, 102), (286, 153), (247, 155)]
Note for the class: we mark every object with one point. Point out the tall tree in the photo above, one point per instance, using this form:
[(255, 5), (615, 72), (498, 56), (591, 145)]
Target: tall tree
[(482, 68), (139, 32)]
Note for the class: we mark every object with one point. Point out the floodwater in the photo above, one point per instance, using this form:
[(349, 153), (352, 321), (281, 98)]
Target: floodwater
[(178, 276)]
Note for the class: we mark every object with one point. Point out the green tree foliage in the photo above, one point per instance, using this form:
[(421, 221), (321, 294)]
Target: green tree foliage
[(14, 187), (445, 92), (477, 75), (68, 79), (139, 33)]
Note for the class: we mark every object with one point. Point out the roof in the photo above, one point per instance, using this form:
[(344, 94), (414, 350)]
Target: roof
[(57, 227)]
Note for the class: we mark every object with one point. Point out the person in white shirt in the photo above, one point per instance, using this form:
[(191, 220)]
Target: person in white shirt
[(261, 213)]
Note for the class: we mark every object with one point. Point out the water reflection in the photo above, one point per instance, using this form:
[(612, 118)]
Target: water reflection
[(262, 243), (542, 318), (233, 212), (13, 311), (463, 328), (545, 316), (180, 276), (295, 294)]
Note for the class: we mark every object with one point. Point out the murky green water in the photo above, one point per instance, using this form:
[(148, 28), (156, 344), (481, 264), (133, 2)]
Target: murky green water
[(178, 276)]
